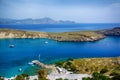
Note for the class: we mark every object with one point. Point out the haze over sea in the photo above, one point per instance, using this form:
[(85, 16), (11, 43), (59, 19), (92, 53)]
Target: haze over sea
[(26, 50)]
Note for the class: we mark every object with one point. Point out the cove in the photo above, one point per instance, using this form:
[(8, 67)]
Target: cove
[(26, 50)]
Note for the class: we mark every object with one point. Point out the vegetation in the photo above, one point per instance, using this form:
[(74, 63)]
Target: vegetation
[(1, 78), (63, 79), (60, 63), (76, 36), (66, 36), (42, 74), (103, 71), (97, 76), (22, 77), (105, 66), (59, 79)]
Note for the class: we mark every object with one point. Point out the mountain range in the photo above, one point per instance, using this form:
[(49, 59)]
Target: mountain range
[(46, 20)]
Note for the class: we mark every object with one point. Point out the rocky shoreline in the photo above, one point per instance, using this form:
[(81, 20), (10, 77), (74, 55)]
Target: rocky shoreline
[(110, 32)]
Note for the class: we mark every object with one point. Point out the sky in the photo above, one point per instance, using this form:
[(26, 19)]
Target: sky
[(82, 11)]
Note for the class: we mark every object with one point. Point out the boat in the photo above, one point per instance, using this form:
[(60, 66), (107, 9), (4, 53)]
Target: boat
[(46, 42), (30, 63), (20, 69), (11, 46)]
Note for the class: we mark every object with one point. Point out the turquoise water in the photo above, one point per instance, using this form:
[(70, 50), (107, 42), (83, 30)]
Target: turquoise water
[(26, 50)]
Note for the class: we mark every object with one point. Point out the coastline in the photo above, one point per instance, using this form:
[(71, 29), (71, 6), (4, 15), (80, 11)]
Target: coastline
[(54, 75)]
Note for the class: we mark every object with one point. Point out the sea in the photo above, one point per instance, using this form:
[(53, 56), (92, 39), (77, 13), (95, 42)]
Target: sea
[(26, 50)]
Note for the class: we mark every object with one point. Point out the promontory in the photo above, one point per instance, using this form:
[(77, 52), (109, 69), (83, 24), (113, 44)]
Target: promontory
[(65, 36)]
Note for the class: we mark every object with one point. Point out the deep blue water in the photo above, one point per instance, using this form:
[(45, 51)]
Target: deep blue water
[(62, 27), (26, 50)]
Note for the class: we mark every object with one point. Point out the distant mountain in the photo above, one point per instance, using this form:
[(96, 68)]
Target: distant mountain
[(34, 21)]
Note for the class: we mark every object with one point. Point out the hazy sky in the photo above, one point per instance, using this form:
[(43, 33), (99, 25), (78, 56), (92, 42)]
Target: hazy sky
[(83, 11)]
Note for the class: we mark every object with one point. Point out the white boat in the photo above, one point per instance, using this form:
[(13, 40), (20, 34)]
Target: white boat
[(30, 63), (11, 46), (20, 69), (46, 42)]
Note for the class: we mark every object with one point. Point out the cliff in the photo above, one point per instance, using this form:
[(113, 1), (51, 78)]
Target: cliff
[(10, 33), (111, 32)]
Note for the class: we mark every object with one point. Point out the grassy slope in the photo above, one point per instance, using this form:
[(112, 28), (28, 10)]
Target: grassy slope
[(90, 65), (76, 36)]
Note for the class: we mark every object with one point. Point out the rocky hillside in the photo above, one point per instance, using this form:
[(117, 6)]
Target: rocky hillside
[(90, 65), (67, 36), (76, 36), (9, 33), (111, 32)]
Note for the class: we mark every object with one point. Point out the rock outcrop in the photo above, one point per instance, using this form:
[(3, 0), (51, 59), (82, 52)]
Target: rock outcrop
[(9, 33), (111, 32)]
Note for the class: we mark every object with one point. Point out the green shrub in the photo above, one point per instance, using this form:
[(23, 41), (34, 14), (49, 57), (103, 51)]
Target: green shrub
[(103, 71), (24, 75), (97, 76), (114, 74), (68, 63), (60, 64), (70, 59), (86, 78), (59, 79), (19, 77)]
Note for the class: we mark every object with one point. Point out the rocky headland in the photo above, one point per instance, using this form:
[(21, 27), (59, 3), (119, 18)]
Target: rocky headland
[(78, 36), (66, 36), (111, 32)]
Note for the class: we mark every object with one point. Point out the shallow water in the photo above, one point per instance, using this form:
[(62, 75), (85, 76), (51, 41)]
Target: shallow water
[(26, 50)]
